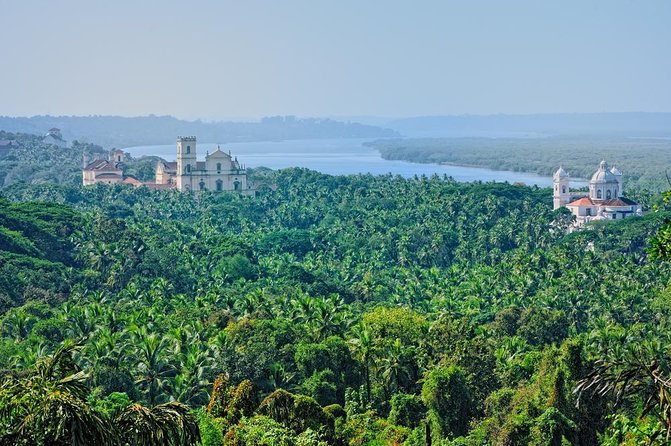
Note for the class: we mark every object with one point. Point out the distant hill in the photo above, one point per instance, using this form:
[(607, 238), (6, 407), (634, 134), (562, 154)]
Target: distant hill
[(630, 124), (116, 131)]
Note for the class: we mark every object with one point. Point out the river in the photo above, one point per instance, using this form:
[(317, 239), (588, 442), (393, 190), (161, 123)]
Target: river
[(339, 157)]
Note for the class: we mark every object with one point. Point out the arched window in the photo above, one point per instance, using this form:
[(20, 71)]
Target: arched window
[(617, 192), (219, 185), (188, 149), (563, 189), (188, 168), (218, 167), (598, 194), (236, 185), (201, 185), (608, 196)]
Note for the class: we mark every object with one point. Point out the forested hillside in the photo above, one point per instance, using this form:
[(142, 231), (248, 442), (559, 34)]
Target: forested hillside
[(354, 310), (31, 160), (623, 123), (122, 131)]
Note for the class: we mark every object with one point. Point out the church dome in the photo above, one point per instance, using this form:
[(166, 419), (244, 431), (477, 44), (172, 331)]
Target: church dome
[(560, 173), (603, 175)]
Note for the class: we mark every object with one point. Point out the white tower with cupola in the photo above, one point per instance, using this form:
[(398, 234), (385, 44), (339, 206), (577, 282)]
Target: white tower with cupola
[(618, 175), (560, 191)]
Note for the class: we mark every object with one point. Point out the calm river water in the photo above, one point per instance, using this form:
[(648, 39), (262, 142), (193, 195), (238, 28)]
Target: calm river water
[(339, 157)]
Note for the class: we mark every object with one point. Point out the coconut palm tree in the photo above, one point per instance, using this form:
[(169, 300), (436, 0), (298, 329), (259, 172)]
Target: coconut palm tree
[(153, 364), (49, 405), (362, 346), (170, 424), (641, 370)]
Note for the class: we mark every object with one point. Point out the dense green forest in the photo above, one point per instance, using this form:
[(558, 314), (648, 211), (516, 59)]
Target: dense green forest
[(642, 160), (349, 310), (32, 161)]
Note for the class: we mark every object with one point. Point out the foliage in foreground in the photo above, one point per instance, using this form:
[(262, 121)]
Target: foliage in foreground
[(341, 310), (49, 406)]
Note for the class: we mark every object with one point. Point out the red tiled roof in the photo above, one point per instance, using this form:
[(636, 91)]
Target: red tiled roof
[(101, 165), (108, 175), (131, 180), (584, 201), (621, 201), (613, 202)]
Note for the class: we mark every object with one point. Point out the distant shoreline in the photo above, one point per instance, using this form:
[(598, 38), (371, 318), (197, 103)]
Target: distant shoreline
[(642, 161)]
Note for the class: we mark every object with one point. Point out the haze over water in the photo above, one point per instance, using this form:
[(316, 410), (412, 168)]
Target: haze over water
[(339, 157)]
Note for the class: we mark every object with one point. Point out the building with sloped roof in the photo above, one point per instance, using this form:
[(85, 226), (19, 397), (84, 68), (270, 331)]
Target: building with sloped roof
[(107, 171), (605, 200), (54, 136), (166, 173)]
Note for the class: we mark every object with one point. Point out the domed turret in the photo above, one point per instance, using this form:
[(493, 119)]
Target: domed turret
[(603, 175), (604, 185), (560, 173), (615, 171)]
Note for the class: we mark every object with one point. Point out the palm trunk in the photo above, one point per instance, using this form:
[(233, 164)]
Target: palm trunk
[(367, 375)]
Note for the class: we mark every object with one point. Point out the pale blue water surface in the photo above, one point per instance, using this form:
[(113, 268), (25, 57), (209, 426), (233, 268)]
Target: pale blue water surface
[(339, 157)]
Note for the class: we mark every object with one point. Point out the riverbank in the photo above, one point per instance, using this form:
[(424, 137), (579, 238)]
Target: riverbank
[(342, 157), (643, 160)]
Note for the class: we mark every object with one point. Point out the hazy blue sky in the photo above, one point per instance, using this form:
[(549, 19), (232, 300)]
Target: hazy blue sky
[(251, 58)]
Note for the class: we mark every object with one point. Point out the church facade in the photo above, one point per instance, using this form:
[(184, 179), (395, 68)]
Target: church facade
[(218, 173), (605, 200)]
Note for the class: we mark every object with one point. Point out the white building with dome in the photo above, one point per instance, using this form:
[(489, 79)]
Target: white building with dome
[(605, 200)]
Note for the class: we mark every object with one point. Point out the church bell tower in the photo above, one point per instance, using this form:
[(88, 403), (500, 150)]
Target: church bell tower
[(186, 162), (560, 189)]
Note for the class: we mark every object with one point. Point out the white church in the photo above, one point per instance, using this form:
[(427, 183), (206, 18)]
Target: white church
[(605, 200), (220, 172)]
